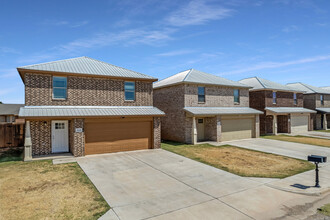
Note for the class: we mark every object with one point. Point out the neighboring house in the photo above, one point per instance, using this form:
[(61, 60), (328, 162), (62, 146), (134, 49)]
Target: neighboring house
[(318, 99), (282, 107), (325, 87), (85, 106), (9, 112), (203, 107)]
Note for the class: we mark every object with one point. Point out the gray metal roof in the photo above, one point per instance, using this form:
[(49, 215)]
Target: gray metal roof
[(10, 109), (325, 87), (86, 65), (308, 89), (325, 110), (258, 83), (221, 110), (88, 111), (196, 77), (287, 110)]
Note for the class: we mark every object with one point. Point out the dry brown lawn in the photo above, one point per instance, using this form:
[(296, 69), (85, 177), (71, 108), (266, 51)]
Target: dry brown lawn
[(41, 190), (301, 139), (241, 161)]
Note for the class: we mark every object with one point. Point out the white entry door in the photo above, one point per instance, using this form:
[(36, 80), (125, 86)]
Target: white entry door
[(60, 136)]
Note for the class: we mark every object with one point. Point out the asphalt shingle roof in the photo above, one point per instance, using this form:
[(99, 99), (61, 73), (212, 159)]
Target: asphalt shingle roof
[(308, 89), (258, 83), (197, 77), (86, 65), (88, 111), (10, 109)]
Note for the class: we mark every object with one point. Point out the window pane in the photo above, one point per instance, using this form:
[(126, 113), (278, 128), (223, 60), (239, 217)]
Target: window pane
[(201, 98), (236, 95), (129, 86), (59, 82), (129, 96), (59, 93), (201, 90)]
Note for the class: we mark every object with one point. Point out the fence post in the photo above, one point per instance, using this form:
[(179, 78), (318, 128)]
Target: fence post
[(27, 143)]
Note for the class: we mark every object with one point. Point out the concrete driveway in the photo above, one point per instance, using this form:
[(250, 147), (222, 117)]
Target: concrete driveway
[(156, 184), (318, 134), (290, 149)]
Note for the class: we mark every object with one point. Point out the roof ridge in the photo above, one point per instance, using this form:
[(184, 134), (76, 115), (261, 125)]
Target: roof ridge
[(56, 61), (190, 70), (263, 85), (114, 65), (308, 87)]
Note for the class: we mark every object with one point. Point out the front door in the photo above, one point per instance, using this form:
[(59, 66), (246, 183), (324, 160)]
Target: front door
[(60, 136), (200, 129)]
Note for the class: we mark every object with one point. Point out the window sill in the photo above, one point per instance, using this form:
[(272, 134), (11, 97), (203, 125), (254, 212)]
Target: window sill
[(236, 103), (129, 100), (201, 102), (59, 99)]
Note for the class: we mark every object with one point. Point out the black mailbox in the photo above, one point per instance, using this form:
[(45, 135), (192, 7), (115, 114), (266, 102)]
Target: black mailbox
[(317, 159)]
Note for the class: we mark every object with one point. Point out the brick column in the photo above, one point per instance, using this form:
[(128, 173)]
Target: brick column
[(157, 133), (78, 137), (257, 127), (219, 128), (194, 131), (27, 143), (325, 122), (275, 124), (289, 123)]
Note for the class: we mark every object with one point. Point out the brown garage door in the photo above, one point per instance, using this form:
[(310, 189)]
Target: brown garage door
[(114, 135)]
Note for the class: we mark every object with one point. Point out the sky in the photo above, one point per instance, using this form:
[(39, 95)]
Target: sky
[(279, 40)]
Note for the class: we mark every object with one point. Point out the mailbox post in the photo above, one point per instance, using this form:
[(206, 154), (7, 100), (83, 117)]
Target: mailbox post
[(317, 159)]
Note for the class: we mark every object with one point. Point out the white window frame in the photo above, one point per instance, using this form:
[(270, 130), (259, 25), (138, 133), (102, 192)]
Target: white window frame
[(201, 95), (66, 88), (295, 100), (322, 99), (274, 98), (239, 98), (128, 100)]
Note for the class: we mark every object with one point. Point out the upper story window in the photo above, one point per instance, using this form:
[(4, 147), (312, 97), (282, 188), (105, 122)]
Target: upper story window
[(274, 98), (129, 91), (201, 94), (59, 87), (322, 99), (236, 95), (295, 98)]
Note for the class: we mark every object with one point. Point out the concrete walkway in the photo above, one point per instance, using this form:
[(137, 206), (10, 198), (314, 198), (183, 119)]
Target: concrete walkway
[(290, 149), (317, 134), (156, 184)]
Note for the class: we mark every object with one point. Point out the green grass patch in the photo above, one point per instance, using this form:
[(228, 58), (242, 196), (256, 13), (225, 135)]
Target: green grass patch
[(322, 142), (325, 210), (240, 161), (11, 154)]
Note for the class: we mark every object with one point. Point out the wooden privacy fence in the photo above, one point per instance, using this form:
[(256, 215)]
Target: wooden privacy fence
[(11, 135)]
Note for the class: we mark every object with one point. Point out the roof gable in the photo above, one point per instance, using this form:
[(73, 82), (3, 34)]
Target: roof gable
[(258, 83), (86, 65), (196, 77), (308, 89)]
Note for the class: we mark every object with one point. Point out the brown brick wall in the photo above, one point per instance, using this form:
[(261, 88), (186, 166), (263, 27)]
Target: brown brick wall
[(284, 99), (171, 101), (85, 91), (326, 101), (41, 137), (77, 139), (282, 124), (215, 96), (157, 132), (310, 101), (211, 129)]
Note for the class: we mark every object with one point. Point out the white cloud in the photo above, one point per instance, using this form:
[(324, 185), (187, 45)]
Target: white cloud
[(65, 23), (175, 53), (8, 50), (290, 28), (273, 65), (197, 12)]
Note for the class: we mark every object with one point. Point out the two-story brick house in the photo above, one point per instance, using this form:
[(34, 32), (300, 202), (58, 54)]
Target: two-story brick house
[(85, 106), (204, 107), (282, 107), (317, 99)]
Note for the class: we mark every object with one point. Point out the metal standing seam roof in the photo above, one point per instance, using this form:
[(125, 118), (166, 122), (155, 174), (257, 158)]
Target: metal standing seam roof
[(308, 89), (10, 109), (88, 111), (289, 110), (86, 65), (325, 110), (325, 87), (258, 83), (221, 110), (197, 77)]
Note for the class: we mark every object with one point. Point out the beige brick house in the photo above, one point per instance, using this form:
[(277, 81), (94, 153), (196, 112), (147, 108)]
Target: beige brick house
[(317, 99), (85, 106), (282, 107), (204, 107)]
